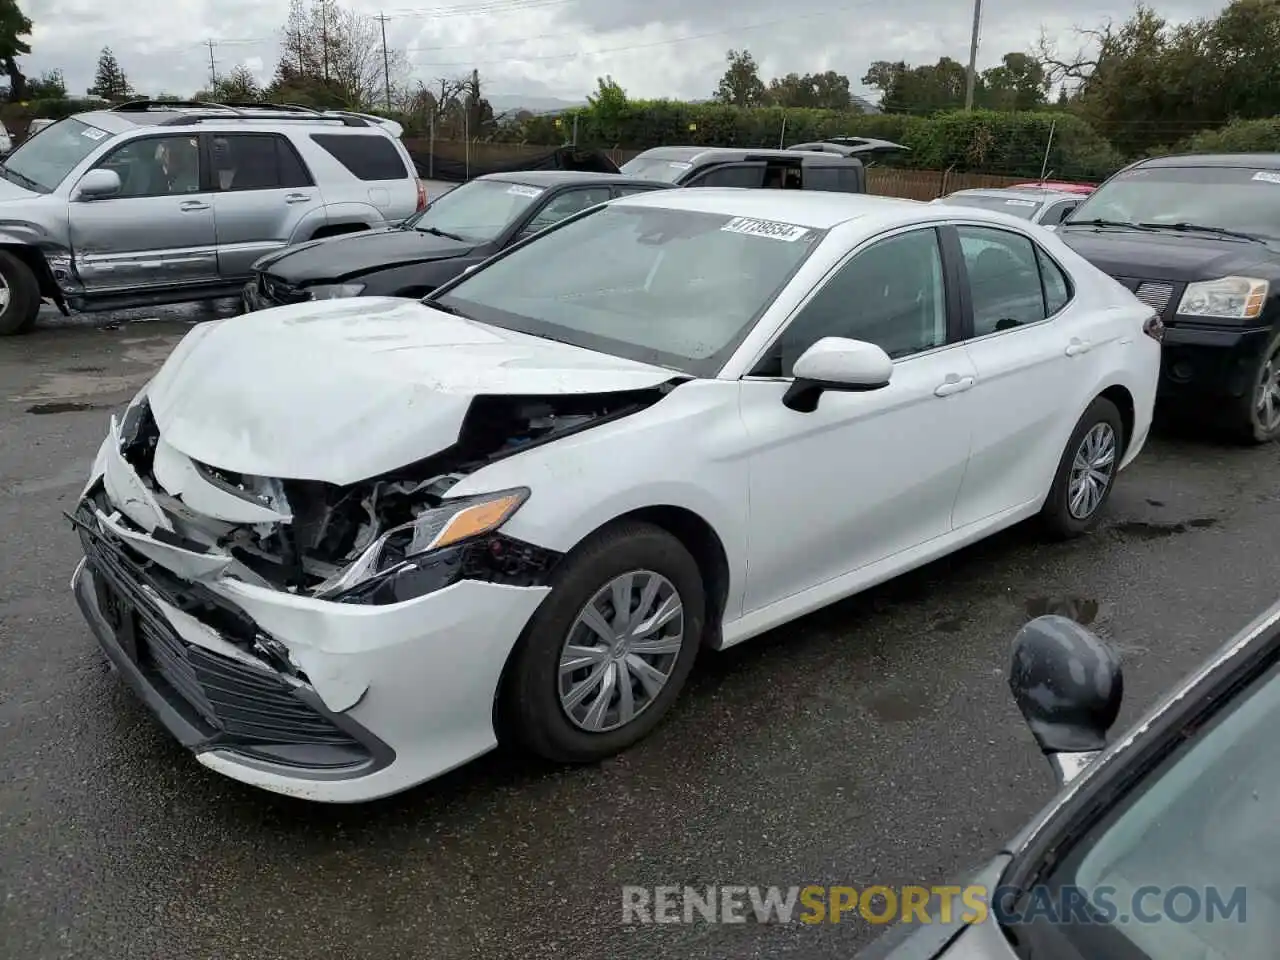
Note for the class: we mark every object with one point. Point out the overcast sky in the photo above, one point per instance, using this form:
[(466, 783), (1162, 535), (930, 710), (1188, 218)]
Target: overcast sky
[(556, 48)]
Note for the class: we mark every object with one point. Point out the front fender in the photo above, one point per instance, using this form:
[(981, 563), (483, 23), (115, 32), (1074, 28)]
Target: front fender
[(688, 450)]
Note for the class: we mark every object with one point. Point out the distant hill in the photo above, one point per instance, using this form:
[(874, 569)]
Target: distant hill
[(512, 102)]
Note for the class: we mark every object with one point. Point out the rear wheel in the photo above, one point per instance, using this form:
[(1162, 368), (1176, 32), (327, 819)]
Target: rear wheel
[(609, 649), (19, 296), (1086, 472), (1258, 417)]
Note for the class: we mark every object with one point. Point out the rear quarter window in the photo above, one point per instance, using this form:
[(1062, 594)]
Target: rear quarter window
[(832, 179), (369, 156)]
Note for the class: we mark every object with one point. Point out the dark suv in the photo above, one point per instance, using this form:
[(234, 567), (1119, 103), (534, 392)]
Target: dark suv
[(1197, 238), (733, 167)]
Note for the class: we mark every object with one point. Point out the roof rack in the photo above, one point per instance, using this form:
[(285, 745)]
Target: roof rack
[(266, 105), (142, 106), (183, 119)]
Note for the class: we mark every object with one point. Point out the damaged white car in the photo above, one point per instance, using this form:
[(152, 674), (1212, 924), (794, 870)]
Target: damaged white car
[(343, 546)]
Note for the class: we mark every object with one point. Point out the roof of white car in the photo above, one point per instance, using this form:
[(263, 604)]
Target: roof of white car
[(806, 208)]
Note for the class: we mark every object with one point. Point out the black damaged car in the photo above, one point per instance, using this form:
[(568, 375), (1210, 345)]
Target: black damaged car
[(1197, 238), (462, 228)]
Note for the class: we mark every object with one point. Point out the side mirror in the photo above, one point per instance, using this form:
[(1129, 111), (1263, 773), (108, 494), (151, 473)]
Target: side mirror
[(836, 363), (1068, 684), (97, 184)]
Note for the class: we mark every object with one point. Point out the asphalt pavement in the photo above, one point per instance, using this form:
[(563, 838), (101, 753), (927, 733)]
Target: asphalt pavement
[(872, 742)]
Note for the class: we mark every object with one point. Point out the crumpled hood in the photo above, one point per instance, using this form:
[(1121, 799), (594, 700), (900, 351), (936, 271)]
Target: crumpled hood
[(344, 390), (354, 254)]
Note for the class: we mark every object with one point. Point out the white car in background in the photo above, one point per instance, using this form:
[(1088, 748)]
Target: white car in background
[(1044, 206), (343, 546)]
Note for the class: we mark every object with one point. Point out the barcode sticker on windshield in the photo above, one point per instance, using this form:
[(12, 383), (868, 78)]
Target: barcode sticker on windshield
[(520, 190), (1021, 203), (93, 133), (1267, 176), (766, 228)]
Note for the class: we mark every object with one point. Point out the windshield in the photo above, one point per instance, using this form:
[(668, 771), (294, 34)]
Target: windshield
[(1014, 206), (1235, 198), (655, 168), (479, 211), (44, 161), (674, 288), (1204, 821)]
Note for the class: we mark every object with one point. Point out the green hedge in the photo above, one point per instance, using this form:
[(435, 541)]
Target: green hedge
[(981, 140), (1238, 136)]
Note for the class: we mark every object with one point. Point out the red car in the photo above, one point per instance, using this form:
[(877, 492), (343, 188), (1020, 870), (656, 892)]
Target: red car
[(1084, 188)]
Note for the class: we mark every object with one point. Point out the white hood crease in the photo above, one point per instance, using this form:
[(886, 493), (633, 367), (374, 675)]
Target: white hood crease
[(343, 390)]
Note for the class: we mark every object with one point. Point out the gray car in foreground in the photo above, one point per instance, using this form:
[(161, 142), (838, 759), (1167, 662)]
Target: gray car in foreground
[(155, 202), (1163, 846)]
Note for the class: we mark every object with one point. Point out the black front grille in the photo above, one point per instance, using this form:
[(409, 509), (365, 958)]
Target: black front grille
[(277, 291), (233, 702), (1161, 296)]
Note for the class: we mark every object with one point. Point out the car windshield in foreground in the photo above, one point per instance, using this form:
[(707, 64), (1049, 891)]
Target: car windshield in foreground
[(1014, 206), (1190, 854), (676, 288), (1242, 200), (476, 212), (655, 168), (43, 162)]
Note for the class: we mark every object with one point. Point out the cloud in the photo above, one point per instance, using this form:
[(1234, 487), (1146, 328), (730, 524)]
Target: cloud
[(653, 48)]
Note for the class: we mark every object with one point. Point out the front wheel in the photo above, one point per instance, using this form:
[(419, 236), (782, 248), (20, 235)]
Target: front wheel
[(1086, 472), (609, 649), (19, 296), (1258, 419)]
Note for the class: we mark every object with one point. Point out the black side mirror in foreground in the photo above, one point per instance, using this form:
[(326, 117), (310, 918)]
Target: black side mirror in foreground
[(1068, 684)]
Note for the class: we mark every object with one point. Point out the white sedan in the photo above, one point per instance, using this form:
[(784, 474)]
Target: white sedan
[(344, 546)]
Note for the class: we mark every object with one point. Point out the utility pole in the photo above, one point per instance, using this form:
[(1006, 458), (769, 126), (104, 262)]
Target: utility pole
[(386, 61), (213, 69), (971, 78), (324, 36)]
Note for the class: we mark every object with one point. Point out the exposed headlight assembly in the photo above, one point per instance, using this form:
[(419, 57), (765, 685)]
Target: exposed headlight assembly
[(434, 530), (335, 291), (1231, 298)]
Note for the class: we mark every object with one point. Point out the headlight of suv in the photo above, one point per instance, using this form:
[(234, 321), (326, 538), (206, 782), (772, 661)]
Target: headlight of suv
[(1231, 298), (334, 291), (433, 530)]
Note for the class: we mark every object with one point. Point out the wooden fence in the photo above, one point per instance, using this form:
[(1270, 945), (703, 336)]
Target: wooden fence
[(883, 181)]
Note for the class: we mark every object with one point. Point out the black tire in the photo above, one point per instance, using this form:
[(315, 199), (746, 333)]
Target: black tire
[(1246, 424), (530, 708), (19, 314), (1056, 515)]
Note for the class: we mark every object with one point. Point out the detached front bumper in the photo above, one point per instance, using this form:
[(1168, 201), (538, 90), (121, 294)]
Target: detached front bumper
[(326, 701)]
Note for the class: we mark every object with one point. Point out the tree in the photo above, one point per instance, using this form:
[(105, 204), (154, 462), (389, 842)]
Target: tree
[(239, 84), (332, 56), (109, 81), (826, 91), (741, 85), (15, 27), (923, 89), (50, 85), (1019, 83)]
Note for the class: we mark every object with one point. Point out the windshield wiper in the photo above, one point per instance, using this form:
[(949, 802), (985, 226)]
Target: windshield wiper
[(1106, 223), (443, 307), (442, 233), (1201, 228), (18, 178)]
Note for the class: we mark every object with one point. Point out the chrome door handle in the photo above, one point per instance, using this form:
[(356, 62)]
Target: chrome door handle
[(953, 384), (193, 205), (297, 198), (1077, 347)]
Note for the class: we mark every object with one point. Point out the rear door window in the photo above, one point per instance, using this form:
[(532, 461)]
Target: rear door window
[(257, 161), (369, 156), (842, 179)]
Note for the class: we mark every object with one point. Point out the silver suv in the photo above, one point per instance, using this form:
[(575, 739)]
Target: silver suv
[(155, 202)]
